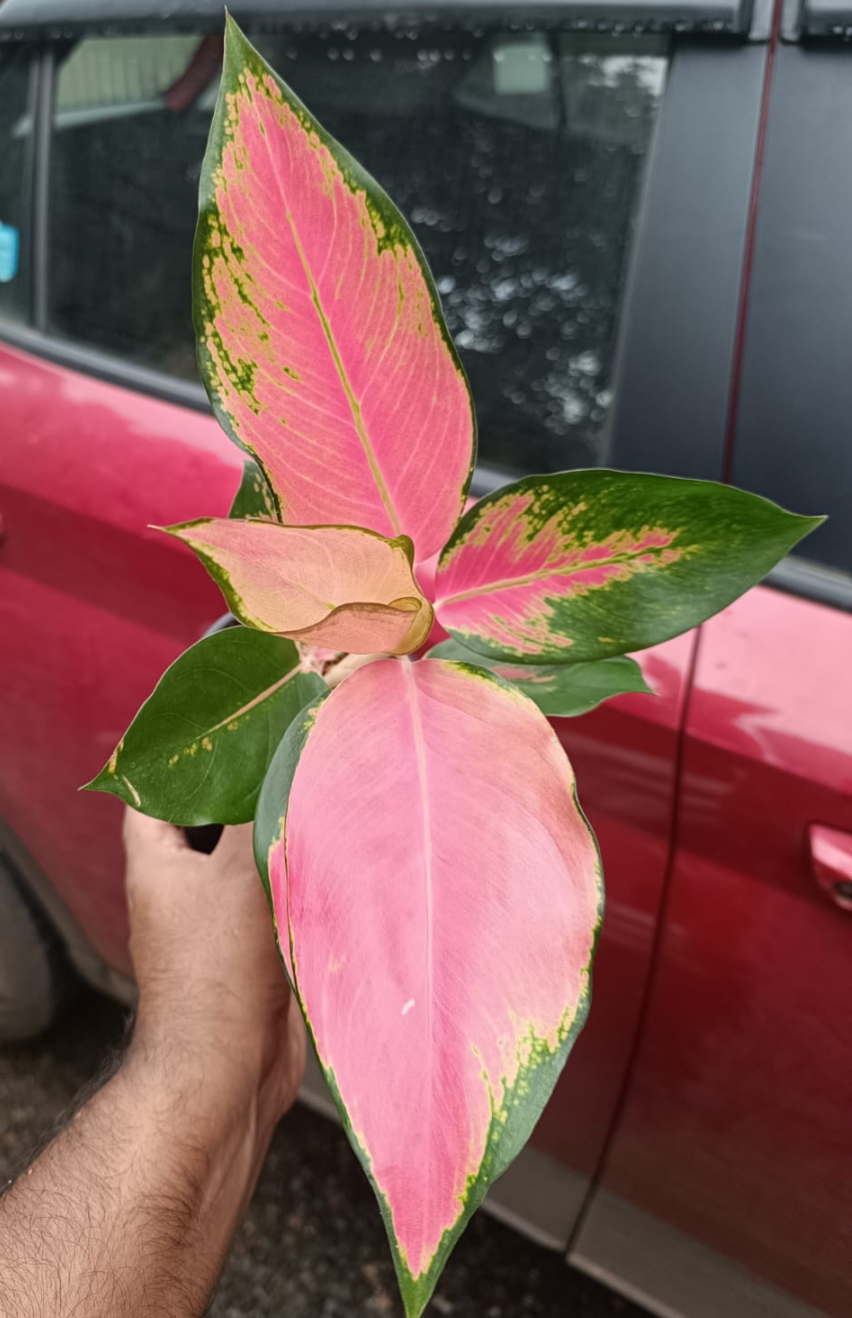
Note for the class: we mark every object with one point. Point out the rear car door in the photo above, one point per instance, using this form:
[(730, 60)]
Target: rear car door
[(728, 1185)]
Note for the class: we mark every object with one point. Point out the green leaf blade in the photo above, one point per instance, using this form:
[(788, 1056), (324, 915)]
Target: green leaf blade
[(198, 749), (254, 498), (559, 690)]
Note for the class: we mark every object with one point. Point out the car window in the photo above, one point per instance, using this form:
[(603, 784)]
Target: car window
[(15, 184), (808, 473), (518, 159), (794, 425)]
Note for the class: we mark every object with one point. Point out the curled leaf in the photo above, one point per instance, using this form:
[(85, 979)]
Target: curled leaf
[(335, 586)]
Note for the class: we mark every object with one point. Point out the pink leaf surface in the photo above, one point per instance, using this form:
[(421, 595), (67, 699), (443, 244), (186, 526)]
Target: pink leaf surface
[(335, 586), (444, 895), (322, 341)]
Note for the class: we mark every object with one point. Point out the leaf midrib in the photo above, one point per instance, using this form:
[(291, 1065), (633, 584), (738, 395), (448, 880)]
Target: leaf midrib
[(257, 700), (420, 755), (511, 583), (354, 404)]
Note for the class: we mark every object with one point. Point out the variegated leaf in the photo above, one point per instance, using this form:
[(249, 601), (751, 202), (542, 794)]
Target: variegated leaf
[(321, 339), (587, 564), (441, 899), (559, 690)]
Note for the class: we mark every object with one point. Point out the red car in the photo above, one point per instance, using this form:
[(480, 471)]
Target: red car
[(638, 218)]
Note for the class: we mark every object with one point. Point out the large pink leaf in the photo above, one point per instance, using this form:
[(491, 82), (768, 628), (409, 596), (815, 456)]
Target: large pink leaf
[(444, 895), (334, 586), (322, 342)]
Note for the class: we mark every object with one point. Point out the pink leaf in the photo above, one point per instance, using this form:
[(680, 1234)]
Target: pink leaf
[(322, 342), (444, 896), (335, 586)]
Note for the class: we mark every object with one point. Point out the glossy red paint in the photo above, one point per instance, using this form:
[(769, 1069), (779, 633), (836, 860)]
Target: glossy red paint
[(624, 755), (736, 1125), (93, 605)]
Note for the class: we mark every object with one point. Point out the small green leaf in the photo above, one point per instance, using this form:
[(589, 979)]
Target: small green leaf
[(271, 810), (198, 749), (559, 690), (254, 498)]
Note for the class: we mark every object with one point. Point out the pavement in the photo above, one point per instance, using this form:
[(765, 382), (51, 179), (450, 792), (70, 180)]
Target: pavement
[(312, 1244)]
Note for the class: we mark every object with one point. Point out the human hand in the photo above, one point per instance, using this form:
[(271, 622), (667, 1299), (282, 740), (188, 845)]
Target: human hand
[(212, 990)]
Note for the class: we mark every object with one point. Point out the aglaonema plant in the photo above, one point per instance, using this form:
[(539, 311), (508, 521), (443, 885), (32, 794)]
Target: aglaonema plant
[(435, 886)]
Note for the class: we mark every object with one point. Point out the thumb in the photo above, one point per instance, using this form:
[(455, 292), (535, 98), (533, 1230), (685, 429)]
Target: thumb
[(140, 832)]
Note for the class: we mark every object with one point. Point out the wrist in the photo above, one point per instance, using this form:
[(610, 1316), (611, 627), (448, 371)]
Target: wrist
[(197, 1084), (250, 1073)]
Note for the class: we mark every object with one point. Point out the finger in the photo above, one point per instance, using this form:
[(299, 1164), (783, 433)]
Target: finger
[(235, 844), (139, 831)]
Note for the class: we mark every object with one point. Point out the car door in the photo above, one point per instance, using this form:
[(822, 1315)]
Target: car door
[(728, 1185), (552, 177)]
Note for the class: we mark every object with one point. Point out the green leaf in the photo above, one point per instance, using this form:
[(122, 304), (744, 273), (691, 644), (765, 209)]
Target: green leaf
[(198, 749), (559, 690), (254, 498), (589, 564), (271, 811)]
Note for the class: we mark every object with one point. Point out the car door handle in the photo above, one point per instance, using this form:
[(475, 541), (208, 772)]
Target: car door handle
[(831, 862)]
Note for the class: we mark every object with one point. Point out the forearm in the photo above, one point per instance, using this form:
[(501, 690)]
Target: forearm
[(130, 1211)]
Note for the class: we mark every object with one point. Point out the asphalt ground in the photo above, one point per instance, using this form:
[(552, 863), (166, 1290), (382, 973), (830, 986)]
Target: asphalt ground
[(312, 1244)]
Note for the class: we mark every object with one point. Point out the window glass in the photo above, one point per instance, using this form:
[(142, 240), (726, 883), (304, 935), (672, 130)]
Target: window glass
[(126, 158), (517, 157), (807, 470), (794, 420), (15, 184)]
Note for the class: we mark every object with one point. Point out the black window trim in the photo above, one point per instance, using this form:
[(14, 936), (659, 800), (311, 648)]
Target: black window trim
[(45, 71), (30, 17)]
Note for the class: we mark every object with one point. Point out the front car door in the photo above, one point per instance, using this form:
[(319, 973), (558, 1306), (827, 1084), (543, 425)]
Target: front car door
[(728, 1185)]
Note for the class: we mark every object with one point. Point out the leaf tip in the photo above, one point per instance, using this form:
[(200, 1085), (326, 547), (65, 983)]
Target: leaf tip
[(406, 544), (102, 782), (233, 31), (179, 529)]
